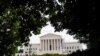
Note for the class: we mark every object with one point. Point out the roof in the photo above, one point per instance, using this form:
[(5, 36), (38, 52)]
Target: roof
[(50, 35)]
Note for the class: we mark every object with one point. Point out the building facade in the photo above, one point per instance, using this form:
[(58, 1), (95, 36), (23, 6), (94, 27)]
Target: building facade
[(51, 44)]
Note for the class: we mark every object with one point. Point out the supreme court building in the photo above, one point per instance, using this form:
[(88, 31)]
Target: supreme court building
[(51, 44)]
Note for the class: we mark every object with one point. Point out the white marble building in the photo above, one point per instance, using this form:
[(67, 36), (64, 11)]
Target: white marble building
[(50, 43)]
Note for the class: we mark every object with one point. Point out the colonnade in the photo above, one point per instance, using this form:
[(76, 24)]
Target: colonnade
[(51, 44)]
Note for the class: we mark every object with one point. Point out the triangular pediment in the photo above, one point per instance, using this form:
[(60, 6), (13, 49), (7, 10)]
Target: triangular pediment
[(50, 35)]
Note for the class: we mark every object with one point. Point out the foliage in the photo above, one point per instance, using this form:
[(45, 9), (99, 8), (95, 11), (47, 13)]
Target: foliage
[(79, 18), (89, 52), (53, 55), (18, 18)]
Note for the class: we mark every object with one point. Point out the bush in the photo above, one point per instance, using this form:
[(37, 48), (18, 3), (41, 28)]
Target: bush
[(53, 55), (88, 52)]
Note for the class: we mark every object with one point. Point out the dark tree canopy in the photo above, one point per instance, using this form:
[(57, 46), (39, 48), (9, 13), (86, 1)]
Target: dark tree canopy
[(79, 17), (18, 18)]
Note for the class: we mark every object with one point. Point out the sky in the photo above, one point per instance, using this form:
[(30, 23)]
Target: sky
[(34, 39)]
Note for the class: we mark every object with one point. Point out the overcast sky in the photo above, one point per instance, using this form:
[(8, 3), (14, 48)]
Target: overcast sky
[(49, 29)]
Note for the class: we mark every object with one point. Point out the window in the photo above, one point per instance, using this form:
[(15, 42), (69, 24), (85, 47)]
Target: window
[(59, 47), (67, 47), (30, 51), (36, 48), (25, 52), (56, 47), (30, 48), (70, 47), (30, 45), (77, 47), (69, 51)]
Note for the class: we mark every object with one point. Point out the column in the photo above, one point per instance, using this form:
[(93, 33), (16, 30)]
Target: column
[(53, 43), (57, 44), (44, 45), (41, 44), (48, 45), (60, 43)]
